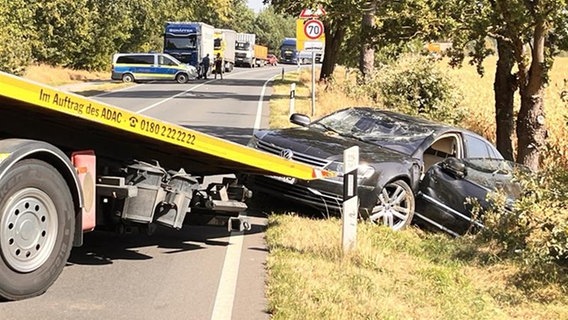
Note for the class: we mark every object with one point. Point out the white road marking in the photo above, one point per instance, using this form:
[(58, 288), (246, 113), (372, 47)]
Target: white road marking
[(225, 298), (193, 88), (152, 106), (259, 107)]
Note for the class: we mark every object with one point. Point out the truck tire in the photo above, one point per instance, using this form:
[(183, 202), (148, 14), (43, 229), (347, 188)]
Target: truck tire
[(182, 78), (36, 228)]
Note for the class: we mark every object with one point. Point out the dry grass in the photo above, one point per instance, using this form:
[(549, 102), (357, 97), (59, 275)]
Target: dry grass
[(86, 83), (390, 275), (327, 98), (57, 76), (408, 275)]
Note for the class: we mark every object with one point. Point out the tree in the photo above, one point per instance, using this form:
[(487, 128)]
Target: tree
[(523, 30), (270, 28), (367, 53), (16, 35)]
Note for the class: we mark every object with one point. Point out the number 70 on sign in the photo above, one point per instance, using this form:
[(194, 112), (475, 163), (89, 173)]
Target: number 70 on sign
[(313, 29)]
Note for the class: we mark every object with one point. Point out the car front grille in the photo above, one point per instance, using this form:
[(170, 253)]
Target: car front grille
[(296, 156), (322, 200)]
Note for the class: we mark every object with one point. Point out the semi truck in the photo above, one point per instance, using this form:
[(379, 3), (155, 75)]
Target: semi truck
[(224, 44), (189, 42), (244, 50), (260, 55), (290, 54), (70, 164)]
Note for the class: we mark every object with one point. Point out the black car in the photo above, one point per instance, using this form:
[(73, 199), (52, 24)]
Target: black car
[(398, 162)]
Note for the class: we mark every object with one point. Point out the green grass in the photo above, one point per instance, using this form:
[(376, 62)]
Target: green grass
[(409, 274), (390, 275)]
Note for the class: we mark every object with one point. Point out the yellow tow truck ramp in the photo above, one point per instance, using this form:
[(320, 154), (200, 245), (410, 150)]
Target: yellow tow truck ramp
[(69, 164), (71, 122)]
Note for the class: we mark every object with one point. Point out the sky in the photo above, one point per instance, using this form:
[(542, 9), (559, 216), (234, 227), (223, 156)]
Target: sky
[(255, 5)]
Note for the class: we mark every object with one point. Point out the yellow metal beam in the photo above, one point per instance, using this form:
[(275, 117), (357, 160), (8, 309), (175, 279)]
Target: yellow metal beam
[(48, 98)]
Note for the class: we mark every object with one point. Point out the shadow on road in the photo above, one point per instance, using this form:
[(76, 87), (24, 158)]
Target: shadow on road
[(103, 247)]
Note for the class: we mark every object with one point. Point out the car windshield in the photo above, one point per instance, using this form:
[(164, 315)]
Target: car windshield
[(376, 127), (242, 46), (180, 43)]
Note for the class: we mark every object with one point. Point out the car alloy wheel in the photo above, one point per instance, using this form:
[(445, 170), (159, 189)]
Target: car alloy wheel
[(395, 206)]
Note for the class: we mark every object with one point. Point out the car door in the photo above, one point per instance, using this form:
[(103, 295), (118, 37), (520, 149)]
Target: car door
[(167, 68), (144, 66), (450, 188), (447, 195)]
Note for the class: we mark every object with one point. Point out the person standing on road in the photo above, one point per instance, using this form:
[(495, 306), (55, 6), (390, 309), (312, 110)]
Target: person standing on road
[(219, 66), (205, 66)]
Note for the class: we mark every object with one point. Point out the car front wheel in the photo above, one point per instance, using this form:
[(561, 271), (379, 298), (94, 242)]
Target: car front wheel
[(181, 78), (394, 206)]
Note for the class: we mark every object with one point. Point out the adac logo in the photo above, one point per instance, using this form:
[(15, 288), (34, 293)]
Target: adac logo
[(133, 122), (287, 153)]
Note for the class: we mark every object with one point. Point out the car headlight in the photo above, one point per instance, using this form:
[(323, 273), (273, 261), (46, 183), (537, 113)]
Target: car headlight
[(364, 171), (191, 70)]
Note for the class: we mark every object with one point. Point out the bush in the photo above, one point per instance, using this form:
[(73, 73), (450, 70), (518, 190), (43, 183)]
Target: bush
[(413, 85), (536, 230)]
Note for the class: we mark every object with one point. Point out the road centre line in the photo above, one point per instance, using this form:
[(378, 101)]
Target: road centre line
[(152, 106), (186, 91)]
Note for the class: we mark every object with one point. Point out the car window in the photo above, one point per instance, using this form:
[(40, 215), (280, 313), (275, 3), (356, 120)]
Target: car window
[(479, 148), (166, 61), (136, 59)]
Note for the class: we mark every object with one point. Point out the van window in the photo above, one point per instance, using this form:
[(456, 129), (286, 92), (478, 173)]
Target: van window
[(162, 60), (136, 59)]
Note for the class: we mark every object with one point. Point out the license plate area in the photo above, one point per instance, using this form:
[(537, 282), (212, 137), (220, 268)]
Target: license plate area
[(287, 180)]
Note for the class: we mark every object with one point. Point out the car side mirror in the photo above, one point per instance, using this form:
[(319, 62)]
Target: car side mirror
[(454, 167), (300, 119)]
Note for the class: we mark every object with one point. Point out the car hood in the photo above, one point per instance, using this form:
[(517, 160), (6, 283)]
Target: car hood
[(327, 145)]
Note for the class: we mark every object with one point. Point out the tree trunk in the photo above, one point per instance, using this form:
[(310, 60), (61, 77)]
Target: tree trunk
[(367, 55), (531, 128), (504, 86), (334, 34)]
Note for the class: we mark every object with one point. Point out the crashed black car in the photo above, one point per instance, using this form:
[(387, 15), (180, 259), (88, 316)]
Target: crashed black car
[(401, 158)]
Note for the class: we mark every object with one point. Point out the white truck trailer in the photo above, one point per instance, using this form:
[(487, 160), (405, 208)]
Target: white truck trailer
[(244, 51), (224, 44), (69, 164)]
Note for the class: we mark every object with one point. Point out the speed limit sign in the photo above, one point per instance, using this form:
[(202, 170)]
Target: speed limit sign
[(313, 29)]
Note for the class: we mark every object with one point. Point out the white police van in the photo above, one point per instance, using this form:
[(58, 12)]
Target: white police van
[(131, 67)]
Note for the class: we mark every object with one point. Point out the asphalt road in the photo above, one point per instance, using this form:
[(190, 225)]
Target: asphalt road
[(199, 272)]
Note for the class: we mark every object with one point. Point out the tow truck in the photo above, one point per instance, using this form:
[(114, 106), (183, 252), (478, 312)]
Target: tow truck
[(70, 165)]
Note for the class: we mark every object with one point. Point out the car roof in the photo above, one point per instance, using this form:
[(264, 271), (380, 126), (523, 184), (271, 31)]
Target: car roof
[(438, 129)]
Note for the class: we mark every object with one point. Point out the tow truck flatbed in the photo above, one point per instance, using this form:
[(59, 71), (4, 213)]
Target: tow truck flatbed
[(35, 111), (70, 164)]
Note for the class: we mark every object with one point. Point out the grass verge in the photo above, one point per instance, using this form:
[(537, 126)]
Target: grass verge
[(84, 82), (410, 274), (390, 275)]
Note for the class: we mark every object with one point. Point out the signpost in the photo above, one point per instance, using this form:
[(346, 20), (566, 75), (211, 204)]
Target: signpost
[(350, 199), (310, 37)]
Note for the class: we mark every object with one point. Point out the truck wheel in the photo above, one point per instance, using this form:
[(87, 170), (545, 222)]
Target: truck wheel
[(36, 229), (182, 78), (127, 78)]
